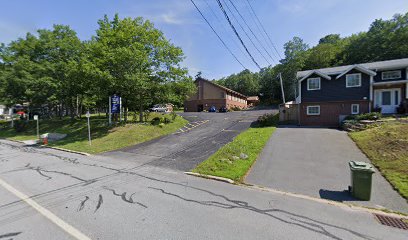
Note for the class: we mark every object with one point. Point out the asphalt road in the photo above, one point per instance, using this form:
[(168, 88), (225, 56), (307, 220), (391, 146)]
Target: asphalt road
[(48, 194), (187, 148)]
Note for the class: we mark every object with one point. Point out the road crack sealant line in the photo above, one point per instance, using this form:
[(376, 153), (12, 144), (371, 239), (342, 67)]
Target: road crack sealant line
[(45, 212)]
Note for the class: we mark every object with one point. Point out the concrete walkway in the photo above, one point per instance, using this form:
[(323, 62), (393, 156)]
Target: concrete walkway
[(314, 162)]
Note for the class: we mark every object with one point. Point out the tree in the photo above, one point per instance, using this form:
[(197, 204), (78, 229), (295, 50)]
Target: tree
[(138, 62)]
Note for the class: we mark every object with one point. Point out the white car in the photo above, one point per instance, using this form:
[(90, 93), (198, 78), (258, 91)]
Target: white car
[(158, 108)]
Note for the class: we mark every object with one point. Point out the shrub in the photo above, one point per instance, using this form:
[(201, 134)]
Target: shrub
[(364, 116), (173, 115), (146, 115), (267, 120), (166, 120), (161, 125), (369, 116), (155, 121)]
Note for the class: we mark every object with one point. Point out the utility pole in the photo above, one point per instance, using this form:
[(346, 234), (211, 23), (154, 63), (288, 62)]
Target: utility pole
[(281, 83)]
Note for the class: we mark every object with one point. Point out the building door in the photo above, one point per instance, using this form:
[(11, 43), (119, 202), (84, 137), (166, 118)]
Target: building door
[(387, 99)]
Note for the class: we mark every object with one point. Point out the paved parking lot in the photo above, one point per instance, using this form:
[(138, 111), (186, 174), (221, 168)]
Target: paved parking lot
[(314, 162), (185, 149)]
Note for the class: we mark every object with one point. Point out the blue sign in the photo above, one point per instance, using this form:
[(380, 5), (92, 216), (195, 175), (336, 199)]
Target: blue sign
[(115, 104)]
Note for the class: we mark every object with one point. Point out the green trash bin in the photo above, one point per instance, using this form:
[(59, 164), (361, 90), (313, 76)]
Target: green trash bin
[(361, 180)]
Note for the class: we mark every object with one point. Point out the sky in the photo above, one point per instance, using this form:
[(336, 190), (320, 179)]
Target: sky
[(183, 25)]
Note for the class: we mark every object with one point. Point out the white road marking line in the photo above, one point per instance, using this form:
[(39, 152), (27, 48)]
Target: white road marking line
[(46, 213)]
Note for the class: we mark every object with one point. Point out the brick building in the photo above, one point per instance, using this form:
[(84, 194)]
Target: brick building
[(211, 94)]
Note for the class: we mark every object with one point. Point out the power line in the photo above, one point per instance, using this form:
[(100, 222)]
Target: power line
[(236, 33), (225, 29), (264, 29), (225, 45), (243, 19), (243, 29)]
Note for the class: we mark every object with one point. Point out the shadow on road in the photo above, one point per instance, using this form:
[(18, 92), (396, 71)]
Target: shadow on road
[(339, 196)]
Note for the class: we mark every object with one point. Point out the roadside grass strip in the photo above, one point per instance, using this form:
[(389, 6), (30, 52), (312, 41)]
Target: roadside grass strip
[(235, 159), (104, 137), (387, 148)]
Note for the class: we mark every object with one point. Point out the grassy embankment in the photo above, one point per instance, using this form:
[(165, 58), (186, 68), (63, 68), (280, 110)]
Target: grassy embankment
[(104, 138), (387, 148), (226, 162)]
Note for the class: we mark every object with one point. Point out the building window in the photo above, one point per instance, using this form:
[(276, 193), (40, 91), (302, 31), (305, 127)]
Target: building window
[(222, 95), (353, 80), (313, 84), (313, 110), (355, 108), (391, 75)]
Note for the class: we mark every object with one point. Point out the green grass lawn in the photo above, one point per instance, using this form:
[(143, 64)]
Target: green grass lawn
[(222, 163), (104, 138), (387, 148)]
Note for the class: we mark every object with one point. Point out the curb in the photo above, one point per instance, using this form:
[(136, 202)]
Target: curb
[(330, 202), (55, 148), (221, 179), (305, 197), (66, 150)]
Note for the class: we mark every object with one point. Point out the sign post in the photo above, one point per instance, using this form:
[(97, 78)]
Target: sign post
[(88, 115), (114, 106), (38, 126)]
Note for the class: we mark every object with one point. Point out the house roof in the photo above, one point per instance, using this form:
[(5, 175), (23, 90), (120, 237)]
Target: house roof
[(373, 66), (222, 87), (323, 75), (359, 68)]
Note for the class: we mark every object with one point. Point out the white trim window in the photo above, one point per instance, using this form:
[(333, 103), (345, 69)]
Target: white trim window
[(355, 108), (353, 80), (313, 84), (313, 110), (391, 75)]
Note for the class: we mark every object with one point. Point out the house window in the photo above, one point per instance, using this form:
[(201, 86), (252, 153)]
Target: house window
[(353, 80), (313, 84), (391, 75), (313, 110), (355, 108), (222, 95)]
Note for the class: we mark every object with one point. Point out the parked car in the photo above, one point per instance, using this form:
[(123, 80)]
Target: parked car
[(158, 108), (212, 109), (223, 109)]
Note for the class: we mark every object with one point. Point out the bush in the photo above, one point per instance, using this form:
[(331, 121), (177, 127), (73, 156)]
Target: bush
[(364, 116), (267, 120), (161, 125), (173, 115), (166, 120), (155, 121)]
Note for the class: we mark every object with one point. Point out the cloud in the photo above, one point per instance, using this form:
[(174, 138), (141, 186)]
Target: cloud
[(170, 12), (10, 31)]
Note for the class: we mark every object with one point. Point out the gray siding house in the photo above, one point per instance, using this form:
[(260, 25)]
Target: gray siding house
[(328, 95)]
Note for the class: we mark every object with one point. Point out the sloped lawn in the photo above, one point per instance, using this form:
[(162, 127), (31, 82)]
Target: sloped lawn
[(387, 148), (104, 138)]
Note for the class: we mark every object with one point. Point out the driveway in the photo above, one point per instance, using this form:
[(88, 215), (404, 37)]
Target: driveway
[(183, 150), (314, 162)]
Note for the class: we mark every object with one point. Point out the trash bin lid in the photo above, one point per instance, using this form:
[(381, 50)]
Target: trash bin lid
[(361, 166)]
